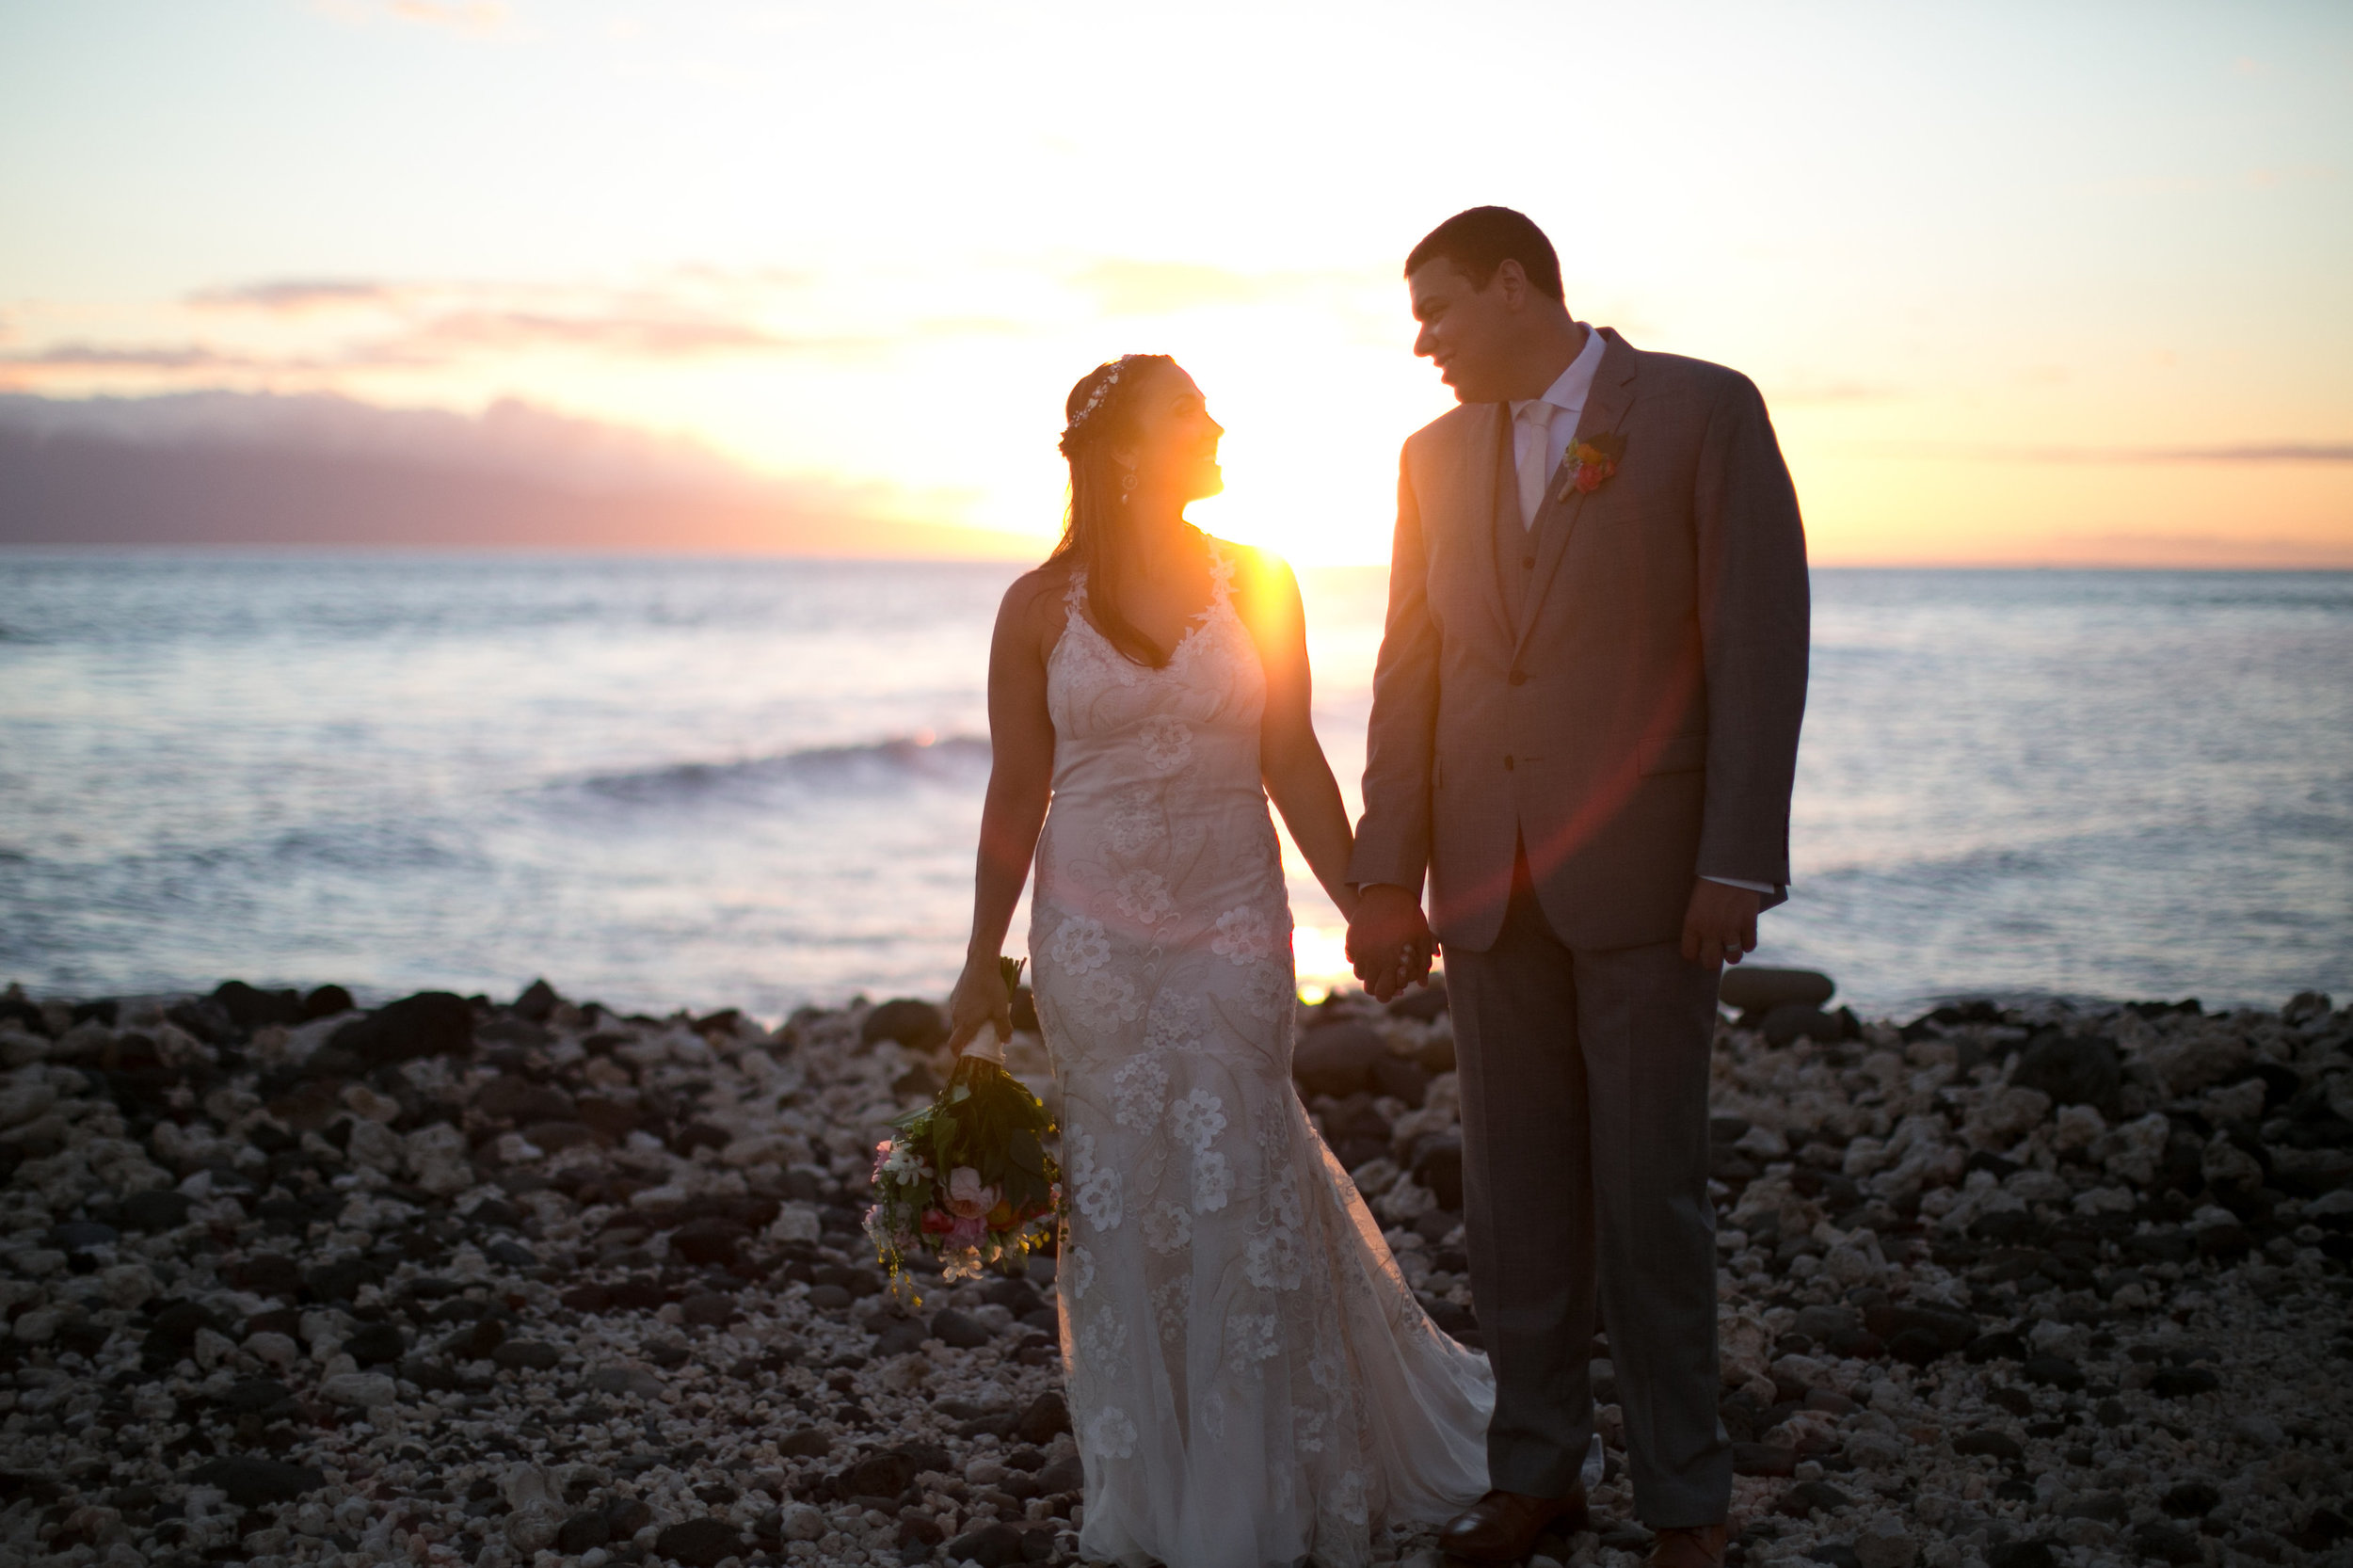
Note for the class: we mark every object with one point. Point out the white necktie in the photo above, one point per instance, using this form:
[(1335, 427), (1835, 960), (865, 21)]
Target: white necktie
[(1535, 467)]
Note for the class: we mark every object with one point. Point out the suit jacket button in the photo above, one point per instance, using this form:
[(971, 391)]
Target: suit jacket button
[(1519, 678), (1506, 765)]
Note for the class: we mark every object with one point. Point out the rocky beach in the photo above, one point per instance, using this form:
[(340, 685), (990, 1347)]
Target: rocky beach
[(290, 1281)]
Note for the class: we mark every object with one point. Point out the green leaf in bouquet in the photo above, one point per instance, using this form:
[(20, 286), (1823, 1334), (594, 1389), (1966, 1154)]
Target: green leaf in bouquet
[(1024, 1150)]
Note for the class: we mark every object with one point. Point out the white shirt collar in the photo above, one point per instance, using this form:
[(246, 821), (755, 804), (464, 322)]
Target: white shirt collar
[(1574, 384)]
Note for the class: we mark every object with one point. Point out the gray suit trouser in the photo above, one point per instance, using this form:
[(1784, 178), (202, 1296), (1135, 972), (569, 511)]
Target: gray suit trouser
[(1585, 1152)]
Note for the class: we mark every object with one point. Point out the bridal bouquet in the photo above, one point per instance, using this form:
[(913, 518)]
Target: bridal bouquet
[(966, 1180)]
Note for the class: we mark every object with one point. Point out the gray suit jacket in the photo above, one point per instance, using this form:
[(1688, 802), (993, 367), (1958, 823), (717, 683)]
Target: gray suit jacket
[(1638, 726)]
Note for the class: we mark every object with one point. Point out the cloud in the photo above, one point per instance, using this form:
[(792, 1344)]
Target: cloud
[(319, 327), (639, 336), (213, 468), (295, 296), (2240, 452), (657, 334), (2271, 451), (510, 437), (75, 356)]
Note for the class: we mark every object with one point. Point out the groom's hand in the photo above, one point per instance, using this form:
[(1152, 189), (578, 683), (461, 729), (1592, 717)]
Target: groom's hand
[(1719, 926), (1389, 941)]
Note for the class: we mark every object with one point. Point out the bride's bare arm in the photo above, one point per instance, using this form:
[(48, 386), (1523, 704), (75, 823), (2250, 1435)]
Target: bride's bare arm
[(1021, 780), (1291, 761)]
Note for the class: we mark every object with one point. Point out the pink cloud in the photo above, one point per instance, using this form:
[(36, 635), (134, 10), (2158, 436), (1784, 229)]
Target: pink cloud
[(293, 295), (641, 336)]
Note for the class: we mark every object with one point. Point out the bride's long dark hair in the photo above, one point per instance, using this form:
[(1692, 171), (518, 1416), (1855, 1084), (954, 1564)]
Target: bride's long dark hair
[(1098, 420)]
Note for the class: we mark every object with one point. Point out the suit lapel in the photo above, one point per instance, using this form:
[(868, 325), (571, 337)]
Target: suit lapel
[(1474, 493), (1605, 407)]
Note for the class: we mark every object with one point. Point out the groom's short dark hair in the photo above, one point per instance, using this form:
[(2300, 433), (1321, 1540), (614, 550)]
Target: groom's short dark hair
[(1482, 239)]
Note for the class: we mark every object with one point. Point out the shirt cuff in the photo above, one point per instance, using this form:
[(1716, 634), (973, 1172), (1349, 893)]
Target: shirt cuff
[(1764, 888)]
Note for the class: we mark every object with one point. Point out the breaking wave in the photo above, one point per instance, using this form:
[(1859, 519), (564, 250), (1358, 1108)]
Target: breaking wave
[(957, 760)]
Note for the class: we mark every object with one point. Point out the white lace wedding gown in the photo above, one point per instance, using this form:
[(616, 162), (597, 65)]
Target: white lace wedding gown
[(1251, 1381)]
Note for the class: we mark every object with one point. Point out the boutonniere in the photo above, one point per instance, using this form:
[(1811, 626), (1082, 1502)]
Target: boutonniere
[(1596, 461)]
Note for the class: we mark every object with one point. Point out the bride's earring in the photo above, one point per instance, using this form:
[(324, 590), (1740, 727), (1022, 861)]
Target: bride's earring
[(1127, 487)]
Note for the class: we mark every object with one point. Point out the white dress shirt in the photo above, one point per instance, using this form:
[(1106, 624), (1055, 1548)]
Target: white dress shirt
[(1565, 405)]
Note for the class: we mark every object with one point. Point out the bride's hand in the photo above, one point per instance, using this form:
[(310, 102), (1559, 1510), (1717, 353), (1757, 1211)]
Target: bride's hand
[(977, 1000)]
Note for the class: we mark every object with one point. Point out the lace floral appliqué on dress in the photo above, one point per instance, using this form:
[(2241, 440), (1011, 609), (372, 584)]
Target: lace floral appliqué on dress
[(1251, 1381)]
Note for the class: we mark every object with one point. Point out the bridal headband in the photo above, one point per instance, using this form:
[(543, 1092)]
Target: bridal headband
[(1102, 389)]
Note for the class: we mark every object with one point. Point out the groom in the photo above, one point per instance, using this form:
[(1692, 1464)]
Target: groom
[(1584, 729)]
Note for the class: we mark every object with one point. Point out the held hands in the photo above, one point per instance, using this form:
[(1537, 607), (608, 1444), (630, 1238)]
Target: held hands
[(1389, 941), (1719, 926), (978, 1001)]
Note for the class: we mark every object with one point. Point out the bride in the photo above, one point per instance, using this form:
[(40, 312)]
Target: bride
[(1250, 1379)]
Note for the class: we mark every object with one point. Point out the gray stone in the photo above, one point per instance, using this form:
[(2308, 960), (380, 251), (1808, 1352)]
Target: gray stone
[(1756, 989), (2260, 1430), (914, 1023), (2071, 1069), (699, 1542), (626, 1380), (371, 1344), (1824, 1324), (514, 1098), (1883, 1543), (431, 1023), (710, 1309), (1337, 1058), (1046, 1417), (581, 1532), (960, 1330), (900, 1336), (158, 1209), (256, 1395), (528, 1355), (711, 1238), (256, 1483), (1989, 1445), (363, 1389), (82, 1235), (992, 1546), (1794, 1021)]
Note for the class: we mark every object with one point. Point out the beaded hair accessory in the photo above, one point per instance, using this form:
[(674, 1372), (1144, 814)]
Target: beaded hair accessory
[(1095, 399)]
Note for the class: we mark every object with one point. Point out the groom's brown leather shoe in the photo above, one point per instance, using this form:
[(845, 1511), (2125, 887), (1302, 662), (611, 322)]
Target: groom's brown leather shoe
[(1687, 1546), (1502, 1527)]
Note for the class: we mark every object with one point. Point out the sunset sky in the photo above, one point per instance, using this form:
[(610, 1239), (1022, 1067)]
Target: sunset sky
[(2025, 283)]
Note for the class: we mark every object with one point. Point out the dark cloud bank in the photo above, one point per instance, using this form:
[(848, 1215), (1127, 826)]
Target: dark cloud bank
[(222, 467)]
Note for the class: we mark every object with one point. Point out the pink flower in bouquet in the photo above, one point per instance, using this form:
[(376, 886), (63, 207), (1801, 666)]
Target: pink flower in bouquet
[(966, 1197), (937, 1222), (970, 1231)]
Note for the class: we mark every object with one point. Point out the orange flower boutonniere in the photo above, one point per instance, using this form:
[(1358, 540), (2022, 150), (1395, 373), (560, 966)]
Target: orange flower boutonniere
[(1597, 458)]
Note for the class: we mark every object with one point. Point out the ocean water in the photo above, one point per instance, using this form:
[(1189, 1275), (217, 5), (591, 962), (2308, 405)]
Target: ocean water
[(756, 783)]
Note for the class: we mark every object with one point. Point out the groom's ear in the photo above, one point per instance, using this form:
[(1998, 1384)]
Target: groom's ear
[(1511, 278)]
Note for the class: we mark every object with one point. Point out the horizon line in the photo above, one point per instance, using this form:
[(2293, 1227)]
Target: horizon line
[(521, 552)]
